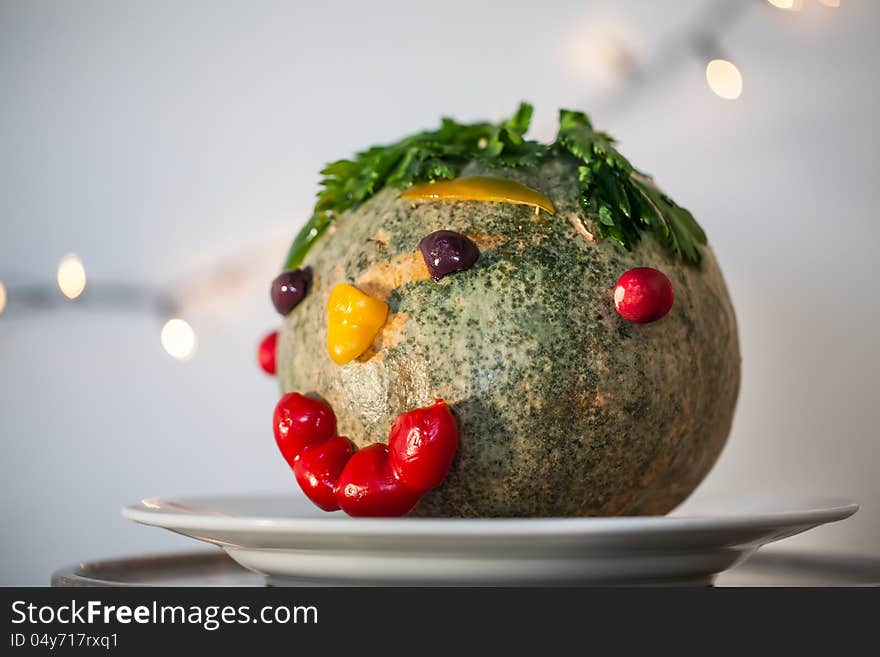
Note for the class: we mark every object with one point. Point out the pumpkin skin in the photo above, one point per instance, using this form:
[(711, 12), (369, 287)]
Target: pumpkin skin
[(564, 408)]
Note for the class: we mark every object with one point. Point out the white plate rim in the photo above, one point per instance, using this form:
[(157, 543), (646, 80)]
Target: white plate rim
[(155, 512)]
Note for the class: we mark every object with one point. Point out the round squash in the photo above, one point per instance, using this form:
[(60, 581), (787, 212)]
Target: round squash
[(564, 408)]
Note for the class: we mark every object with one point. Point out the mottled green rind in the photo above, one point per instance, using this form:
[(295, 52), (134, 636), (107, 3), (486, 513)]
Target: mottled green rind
[(564, 408)]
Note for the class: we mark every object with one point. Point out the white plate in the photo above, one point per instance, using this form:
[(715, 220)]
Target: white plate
[(292, 543)]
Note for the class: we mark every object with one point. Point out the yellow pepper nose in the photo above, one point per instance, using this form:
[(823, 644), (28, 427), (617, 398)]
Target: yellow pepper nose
[(353, 320)]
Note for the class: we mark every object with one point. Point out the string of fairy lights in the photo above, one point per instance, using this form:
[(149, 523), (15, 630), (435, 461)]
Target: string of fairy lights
[(700, 39)]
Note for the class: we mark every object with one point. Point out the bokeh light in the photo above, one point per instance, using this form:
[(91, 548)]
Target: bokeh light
[(2, 297), (178, 339), (724, 79), (792, 5), (71, 276)]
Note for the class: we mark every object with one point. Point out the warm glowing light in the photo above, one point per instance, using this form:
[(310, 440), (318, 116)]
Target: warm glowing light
[(178, 339), (724, 79), (600, 51), (793, 5), (830, 3), (2, 297), (71, 276)]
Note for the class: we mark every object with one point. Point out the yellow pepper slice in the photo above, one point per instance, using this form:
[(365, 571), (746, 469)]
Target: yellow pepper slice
[(480, 188), (353, 320)]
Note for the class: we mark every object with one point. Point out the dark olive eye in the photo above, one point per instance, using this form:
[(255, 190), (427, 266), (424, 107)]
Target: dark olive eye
[(289, 288), (446, 251)]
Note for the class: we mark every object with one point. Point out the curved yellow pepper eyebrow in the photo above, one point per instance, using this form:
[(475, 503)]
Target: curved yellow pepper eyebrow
[(479, 188), (353, 320)]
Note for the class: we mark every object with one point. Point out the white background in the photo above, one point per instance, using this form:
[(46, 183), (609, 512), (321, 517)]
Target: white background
[(154, 138)]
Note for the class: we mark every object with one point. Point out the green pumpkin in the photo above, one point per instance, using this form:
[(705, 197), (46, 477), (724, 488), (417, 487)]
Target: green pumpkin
[(564, 408)]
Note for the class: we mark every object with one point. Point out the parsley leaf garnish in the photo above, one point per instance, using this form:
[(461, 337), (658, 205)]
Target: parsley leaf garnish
[(430, 155), (623, 200)]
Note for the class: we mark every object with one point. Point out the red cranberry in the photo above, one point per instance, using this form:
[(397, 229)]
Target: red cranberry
[(300, 421), (289, 288), (367, 486), (422, 443), (318, 468), (266, 352), (643, 295), (446, 251)]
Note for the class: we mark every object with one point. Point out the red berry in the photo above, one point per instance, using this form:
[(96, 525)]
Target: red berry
[(367, 486), (318, 468), (300, 421), (422, 443), (643, 295), (266, 352)]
